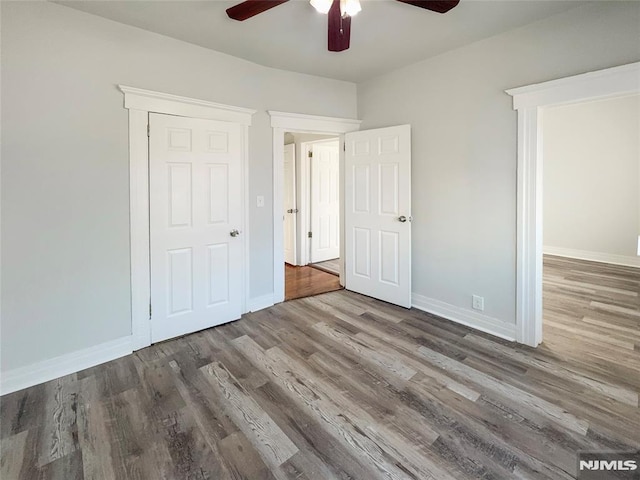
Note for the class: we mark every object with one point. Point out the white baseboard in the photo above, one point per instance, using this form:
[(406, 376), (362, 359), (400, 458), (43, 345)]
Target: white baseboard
[(628, 261), (259, 303), (34, 374), (465, 317)]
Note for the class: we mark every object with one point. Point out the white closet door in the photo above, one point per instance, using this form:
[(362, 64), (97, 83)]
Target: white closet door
[(378, 213), (197, 261), (290, 209), (325, 201)]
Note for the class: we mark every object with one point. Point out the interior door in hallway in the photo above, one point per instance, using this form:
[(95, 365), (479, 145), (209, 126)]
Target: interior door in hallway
[(197, 262), (378, 213), (325, 201), (290, 209)]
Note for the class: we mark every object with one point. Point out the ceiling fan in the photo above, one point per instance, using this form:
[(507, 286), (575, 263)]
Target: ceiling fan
[(339, 14)]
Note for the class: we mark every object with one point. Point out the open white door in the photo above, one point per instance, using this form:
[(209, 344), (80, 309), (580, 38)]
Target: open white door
[(197, 263), (325, 201), (378, 213), (290, 209)]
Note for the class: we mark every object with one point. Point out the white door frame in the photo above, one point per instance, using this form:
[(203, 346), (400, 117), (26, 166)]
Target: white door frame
[(305, 203), (282, 122), (140, 103), (530, 101)]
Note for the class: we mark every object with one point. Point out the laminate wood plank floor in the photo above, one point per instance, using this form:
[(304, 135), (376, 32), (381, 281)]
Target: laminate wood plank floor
[(340, 386), (306, 281)]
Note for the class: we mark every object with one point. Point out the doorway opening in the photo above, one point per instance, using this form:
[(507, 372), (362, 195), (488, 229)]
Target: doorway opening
[(311, 214), (282, 122), (530, 102), (591, 221)]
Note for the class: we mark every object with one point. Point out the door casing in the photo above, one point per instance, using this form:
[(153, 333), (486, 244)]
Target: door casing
[(529, 102), (282, 122), (140, 103)]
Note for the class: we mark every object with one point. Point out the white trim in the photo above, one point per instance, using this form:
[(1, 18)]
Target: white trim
[(297, 123), (140, 103), (530, 102), (139, 228), (465, 317), (57, 367), (158, 102), (625, 260), (611, 82), (247, 236), (313, 123), (260, 303)]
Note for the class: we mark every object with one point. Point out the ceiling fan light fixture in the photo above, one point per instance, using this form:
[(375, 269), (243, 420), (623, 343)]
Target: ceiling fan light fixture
[(322, 6), (350, 7)]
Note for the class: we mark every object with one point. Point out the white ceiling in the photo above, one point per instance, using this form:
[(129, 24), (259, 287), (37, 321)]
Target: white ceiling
[(385, 35)]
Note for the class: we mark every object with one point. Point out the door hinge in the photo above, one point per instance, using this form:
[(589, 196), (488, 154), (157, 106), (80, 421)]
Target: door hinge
[(344, 146), (148, 130), (310, 153), (310, 235), (149, 310)]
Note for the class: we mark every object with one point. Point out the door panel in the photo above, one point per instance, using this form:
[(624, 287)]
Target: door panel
[(180, 281), (218, 273), (325, 201), (195, 180), (290, 209), (377, 197)]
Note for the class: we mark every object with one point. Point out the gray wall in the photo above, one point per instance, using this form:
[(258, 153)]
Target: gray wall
[(464, 142), (591, 178), (65, 186)]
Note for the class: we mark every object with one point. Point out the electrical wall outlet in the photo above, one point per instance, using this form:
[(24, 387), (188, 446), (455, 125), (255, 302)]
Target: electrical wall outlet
[(477, 302)]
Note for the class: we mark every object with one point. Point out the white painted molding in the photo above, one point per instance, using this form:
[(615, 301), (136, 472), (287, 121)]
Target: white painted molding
[(140, 103), (260, 303), (246, 201), (628, 261), (530, 102), (57, 367), (313, 123), (139, 228), (282, 122), (617, 81), (158, 102), (529, 231), (465, 317)]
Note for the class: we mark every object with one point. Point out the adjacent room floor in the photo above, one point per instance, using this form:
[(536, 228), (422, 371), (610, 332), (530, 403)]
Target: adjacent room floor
[(592, 312), (340, 386), (330, 266), (307, 281)]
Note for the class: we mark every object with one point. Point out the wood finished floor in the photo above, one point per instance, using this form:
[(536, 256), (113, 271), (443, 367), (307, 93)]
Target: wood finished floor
[(340, 386), (305, 281)]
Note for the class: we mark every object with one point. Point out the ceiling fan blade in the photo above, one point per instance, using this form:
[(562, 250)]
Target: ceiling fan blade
[(250, 8), (440, 6), (339, 29)]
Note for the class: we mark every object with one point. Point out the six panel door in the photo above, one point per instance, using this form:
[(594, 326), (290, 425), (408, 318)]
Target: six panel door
[(378, 213), (325, 201), (196, 219)]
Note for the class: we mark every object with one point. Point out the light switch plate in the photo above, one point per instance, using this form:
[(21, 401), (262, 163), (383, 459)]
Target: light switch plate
[(260, 201)]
